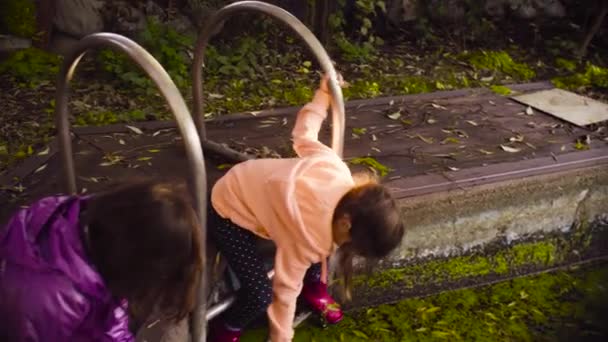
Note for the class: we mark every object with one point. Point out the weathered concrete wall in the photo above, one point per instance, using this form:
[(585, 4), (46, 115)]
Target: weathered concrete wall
[(452, 223)]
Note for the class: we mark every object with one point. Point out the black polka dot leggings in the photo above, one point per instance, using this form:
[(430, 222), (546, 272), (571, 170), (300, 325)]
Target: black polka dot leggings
[(238, 246)]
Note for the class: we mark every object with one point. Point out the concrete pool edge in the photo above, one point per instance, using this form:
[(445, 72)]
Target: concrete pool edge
[(489, 232)]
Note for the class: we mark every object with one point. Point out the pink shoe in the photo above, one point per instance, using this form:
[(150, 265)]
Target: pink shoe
[(220, 333), (319, 300)]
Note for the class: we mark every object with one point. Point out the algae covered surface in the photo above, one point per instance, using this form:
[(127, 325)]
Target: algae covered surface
[(561, 306)]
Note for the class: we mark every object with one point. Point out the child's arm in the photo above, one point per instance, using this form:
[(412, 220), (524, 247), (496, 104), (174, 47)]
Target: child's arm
[(308, 123), (287, 285)]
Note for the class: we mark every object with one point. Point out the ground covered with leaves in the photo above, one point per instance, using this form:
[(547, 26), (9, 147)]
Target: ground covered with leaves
[(562, 306), (271, 68)]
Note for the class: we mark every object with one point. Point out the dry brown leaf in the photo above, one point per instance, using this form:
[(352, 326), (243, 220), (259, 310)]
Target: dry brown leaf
[(509, 149), (426, 140), (134, 129)]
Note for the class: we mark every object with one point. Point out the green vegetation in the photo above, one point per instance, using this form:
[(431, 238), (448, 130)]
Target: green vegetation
[(592, 76), (500, 62), (31, 67), (167, 45), (501, 90), (373, 164), (534, 254), (18, 17), (561, 306)]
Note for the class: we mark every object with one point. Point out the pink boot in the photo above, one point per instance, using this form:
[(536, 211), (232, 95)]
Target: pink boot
[(316, 296), (219, 332)]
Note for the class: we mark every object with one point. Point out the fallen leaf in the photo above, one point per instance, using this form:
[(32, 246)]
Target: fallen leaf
[(529, 111), (106, 164), (426, 140), (517, 138), (461, 133), (394, 116), (438, 106), (563, 148), (531, 124), (492, 103), (134, 129), (450, 140), (122, 142), (472, 123), (431, 121), (391, 103), (509, 149), (144, 158), (215, 96), (530, 145), (374, 138), (453, 168), (579, 145), (485, 152), (40, 168), (359, 131), (371, 163), (376, 149), (407, 122), (153, 151), (45, 151), (224, 166)]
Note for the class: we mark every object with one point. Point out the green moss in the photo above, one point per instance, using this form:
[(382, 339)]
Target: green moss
[(593, 76), (535, 254), (107, 117), (501, 90), (31, 66), (565, 64), (19, 17), (500, 61), (561, 306)]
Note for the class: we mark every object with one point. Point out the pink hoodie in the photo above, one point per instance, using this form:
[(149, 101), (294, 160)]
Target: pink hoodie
[(290, 201)]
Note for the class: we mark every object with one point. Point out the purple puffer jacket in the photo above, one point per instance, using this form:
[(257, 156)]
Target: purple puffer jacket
[(49, 291)]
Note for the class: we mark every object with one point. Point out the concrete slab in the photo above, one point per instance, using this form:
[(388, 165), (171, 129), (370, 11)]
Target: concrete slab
[(568, 106)]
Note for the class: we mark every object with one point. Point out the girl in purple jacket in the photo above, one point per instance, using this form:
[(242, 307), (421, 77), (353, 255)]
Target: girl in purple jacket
[(93, 268)]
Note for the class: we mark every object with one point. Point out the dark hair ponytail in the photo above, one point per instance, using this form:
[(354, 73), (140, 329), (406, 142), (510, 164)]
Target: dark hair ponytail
[(376, 228), (346, 255)]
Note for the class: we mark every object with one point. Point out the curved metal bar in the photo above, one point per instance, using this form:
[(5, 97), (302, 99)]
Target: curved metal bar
[(337, 105), (184, 120)]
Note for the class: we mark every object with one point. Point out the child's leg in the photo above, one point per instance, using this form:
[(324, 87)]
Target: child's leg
[(238, 246), (313, 274), (316, 295)]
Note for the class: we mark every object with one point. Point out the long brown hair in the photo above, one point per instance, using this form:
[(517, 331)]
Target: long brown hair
[(144, 240), (376, 227)]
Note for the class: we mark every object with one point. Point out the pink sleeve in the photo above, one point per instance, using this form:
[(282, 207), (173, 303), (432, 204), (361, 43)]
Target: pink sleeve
[(290, 269), (308, 124)]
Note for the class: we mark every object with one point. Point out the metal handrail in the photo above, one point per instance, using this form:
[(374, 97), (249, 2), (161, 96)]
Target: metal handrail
[(183, 118), (337, 103)]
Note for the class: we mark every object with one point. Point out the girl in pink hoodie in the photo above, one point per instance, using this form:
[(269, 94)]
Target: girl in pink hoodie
[(308, 206)]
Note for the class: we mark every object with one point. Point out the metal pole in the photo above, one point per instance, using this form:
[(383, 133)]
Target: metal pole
[(183, 118), (337, 105)]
